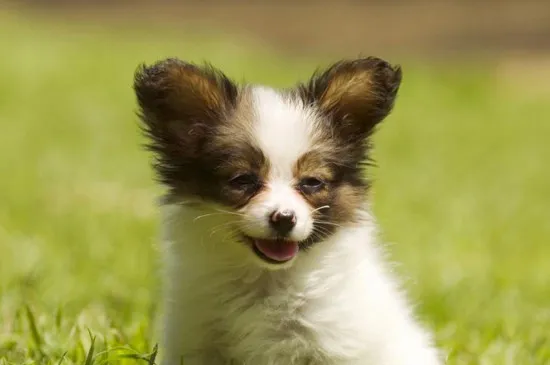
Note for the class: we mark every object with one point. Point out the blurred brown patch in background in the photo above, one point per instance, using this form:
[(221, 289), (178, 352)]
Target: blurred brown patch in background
[(513, 35), (417, 28)]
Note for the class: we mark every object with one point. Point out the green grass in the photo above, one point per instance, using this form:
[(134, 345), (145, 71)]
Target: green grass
[(462, 191)]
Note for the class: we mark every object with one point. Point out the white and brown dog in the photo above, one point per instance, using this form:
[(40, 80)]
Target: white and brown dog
[(271, 255)]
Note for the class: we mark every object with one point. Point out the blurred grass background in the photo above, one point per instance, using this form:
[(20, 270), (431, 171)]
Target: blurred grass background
[(461, 188)]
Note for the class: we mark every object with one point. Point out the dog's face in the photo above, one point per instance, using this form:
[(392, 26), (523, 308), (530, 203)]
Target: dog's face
[(285, 165)]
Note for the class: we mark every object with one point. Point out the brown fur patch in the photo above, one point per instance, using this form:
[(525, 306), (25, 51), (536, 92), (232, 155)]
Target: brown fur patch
[(352, 97), (355, 95), (196, 121), (313, 163), (343, 192)]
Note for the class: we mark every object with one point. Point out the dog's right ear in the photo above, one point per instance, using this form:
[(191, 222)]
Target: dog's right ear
[(181, 102), (355, 95)]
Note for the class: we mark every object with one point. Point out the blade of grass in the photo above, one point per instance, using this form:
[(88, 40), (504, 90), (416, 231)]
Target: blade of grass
[(153, 355), (135, 357), (37, 339), (90, 355), (58, 316), (62, 358)]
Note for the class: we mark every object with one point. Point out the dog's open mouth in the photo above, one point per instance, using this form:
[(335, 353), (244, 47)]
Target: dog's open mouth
[(275, 251)]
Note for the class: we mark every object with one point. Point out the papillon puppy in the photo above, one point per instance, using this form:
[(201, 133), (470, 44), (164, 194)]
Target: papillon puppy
[(270, 251)]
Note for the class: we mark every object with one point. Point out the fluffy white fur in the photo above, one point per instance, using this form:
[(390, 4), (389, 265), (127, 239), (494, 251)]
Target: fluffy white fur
[(335, 304)]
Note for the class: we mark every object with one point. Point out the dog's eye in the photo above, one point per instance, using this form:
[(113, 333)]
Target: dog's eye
[(248, 181), (310, 185)]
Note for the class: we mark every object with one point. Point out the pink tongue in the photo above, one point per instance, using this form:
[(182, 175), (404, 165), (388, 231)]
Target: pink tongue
[(277, 250)]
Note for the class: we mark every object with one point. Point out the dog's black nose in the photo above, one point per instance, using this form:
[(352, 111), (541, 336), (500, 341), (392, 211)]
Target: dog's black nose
[(282, 221)]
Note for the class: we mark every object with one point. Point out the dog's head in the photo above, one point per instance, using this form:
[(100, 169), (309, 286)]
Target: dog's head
[(285, 165)]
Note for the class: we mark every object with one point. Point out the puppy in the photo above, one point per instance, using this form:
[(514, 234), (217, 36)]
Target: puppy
[(271, 255)]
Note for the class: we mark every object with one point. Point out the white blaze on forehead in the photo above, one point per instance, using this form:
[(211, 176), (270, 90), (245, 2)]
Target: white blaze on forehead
[(283, 129)]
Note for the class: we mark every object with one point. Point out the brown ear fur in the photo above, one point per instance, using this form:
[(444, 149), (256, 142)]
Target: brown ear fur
[(182, 100), (355, 95), (181, 106)]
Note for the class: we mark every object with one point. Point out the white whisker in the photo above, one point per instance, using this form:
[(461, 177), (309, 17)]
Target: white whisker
[(232, 213), (207, 215), (322, 207)]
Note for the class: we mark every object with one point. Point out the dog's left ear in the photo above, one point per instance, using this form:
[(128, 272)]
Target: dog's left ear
[(355, 95)]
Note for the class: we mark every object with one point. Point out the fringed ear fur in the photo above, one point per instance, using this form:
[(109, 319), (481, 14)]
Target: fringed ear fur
[(180, 105), (355, 95), (180, 101)]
